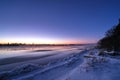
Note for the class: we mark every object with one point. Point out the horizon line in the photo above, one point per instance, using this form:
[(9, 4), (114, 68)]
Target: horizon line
[(43, 43)]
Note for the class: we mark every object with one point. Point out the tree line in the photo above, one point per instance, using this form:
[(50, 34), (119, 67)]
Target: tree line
[(111, 41)]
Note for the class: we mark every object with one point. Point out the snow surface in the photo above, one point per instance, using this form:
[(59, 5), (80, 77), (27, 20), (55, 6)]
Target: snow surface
[(29, 70), (95, 68), (85, 65)]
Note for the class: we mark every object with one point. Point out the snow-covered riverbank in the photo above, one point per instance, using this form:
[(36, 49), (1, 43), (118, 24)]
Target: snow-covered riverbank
[(85, 65), (95, 67), (50, 71)]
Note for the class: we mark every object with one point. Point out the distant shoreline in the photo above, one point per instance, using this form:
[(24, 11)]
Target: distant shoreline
[(20, 44)]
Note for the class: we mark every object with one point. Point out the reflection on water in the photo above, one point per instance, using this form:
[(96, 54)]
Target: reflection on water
[(28, 48), (6, 52)]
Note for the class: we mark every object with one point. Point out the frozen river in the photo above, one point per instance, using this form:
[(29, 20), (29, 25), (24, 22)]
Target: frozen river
[(15, 56)]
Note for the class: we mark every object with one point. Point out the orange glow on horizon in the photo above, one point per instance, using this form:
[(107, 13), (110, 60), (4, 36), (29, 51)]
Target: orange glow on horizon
[(65, 42), (41, 41)]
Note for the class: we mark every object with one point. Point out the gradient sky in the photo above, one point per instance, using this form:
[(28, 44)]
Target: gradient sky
[(50, 21)]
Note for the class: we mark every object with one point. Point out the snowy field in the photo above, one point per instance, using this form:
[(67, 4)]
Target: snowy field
[(68, 63)]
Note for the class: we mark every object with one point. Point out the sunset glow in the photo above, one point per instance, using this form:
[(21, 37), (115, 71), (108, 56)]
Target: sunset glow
[(55, 22), (40, 41)]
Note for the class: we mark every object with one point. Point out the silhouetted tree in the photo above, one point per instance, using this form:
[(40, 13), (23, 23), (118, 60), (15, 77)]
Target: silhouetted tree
[(111, 41)]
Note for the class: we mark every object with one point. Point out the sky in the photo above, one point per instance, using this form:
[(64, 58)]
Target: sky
[(57, 21)]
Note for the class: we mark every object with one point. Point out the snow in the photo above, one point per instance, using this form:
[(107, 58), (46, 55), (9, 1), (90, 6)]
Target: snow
[(34, 70), (84, 65), (95, 68), (39, 59)]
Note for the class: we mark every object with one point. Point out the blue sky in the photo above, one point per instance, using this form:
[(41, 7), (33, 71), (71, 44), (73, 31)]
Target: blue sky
[(57, 20)]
